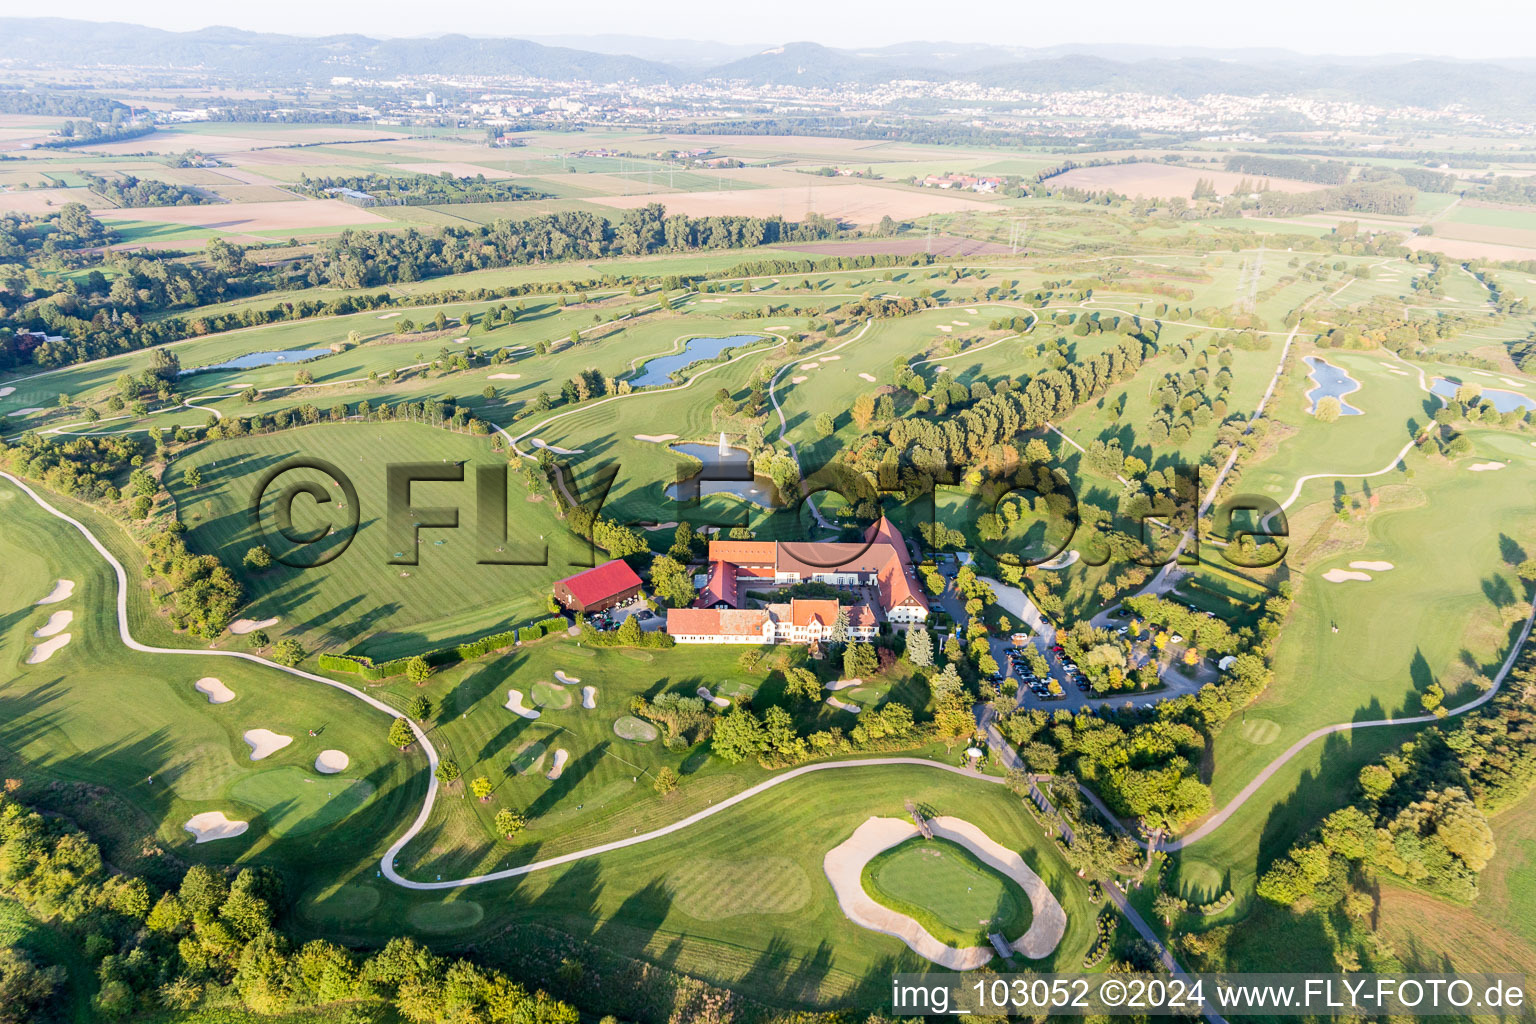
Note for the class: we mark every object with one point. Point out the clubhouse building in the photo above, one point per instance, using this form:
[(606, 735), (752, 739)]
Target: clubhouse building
[(878, 570), (599, 589)]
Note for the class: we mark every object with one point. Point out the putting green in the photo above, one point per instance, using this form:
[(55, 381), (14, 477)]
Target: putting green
[(1259, 731), (527, 759), (551, 695), (351, 901), (632, 728), (946, 889), (446, 917), (1198, 881), (294, 801)]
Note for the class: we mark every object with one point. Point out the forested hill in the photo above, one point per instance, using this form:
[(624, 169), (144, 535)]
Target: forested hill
[(252, 56)]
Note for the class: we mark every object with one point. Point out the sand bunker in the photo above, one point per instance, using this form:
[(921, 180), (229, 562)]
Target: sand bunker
[(844, 866), (973, 312), (941, 369), (669, 526), (868, 376), (559, 766), (1513, 383), (217, 692), (961, 323), (242, 626), (809, 366), (389, 316), (1485, 467), (656, 438), (565, 679), (798, 380), (61, 590), (211, 825), (828, 359), (589, 697), (329, 762), (946, 328), (844, 684), (539, 443), (43, 651), (719, 702), (460, 341), (1344, 575), (7, 391), (56, 623), (843, 705), (517, 707), (265, 742), (29, 410), (506, 376), (1372, 566)]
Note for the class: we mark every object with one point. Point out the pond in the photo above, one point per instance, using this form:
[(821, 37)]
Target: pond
[(251, 360), (1502, 401), (1330, 382), (660, 369), (730, 473)]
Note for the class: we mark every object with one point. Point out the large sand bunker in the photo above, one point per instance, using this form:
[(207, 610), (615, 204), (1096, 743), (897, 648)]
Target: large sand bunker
[(656, 438), (211, 825), (719, 702), (265, 742), (242, 626), (215, 689), (565, 679), (843, 705), (1372, 566), (1486, 467), (505, 376), (7, 391), (56, 623), (329, 762), (45, 650), (844, 864), (517, 707), (559, 766), (844, 684), (589, 697), (61, 591), (1344, 575), (868, 376)]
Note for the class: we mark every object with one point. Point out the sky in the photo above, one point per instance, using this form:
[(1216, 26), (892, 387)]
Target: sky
[(1494, 28)]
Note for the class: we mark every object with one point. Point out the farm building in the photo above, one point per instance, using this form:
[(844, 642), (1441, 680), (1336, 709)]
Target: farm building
[(598, 589)]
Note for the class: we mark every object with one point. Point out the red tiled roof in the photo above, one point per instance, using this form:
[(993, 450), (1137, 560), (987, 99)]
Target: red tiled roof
[(743, 552), (713, 622), (604, 581), (822, 612), (720, 587)]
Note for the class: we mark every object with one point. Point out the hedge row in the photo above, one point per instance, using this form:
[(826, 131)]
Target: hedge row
[(369, 669)]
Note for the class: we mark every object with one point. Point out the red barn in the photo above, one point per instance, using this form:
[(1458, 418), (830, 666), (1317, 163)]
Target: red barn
[(598, 589)]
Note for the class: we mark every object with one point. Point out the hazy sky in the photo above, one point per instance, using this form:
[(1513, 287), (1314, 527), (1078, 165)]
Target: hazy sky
[(1494, 28)]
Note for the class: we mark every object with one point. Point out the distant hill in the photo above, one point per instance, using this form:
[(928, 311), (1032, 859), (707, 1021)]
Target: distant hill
[(242, 54), (1494, 86)]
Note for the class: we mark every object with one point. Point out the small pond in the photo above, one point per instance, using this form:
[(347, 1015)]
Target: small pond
[(660, 369), (251, 360), (1330, 382), (731, 473), (1503, 401)]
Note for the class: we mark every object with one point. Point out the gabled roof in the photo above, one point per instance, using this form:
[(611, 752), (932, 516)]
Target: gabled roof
[(716, 622), (721, 586), (743, 552), (602, 582)]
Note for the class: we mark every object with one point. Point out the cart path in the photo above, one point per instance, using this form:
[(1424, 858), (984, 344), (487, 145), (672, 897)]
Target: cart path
[(387, 862)]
